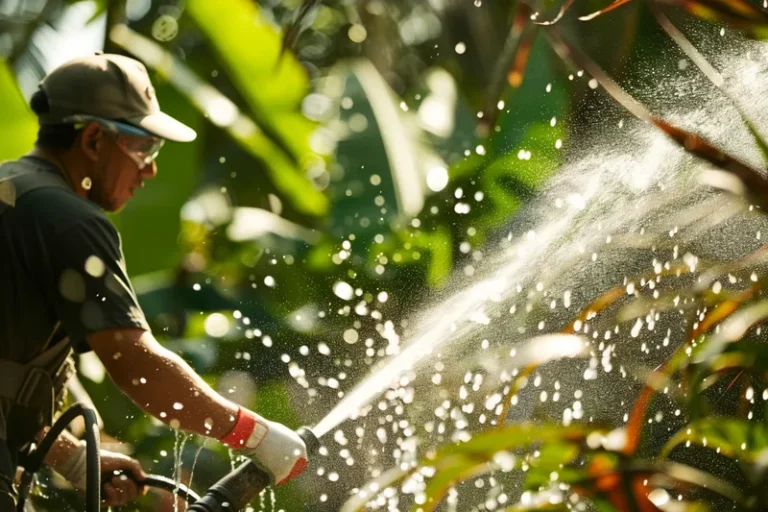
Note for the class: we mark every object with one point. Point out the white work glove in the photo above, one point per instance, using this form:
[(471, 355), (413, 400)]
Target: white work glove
[(274, 447), (74, 467), (117, 490)]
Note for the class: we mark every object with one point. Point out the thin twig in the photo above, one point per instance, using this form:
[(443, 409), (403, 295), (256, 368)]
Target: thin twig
[(520, 31)]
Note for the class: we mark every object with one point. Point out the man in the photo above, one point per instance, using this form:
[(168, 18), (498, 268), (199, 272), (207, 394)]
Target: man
[(65, 286)]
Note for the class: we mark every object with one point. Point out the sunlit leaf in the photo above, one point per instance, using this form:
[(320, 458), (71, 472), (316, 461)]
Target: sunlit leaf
[(19, 126), (722, 311), (287, 177), (273, 87), (731, 330), (450, 471), (730, 437)]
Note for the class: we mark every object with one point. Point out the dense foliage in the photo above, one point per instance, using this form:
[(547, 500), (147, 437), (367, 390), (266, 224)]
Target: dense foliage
[(350, 172)]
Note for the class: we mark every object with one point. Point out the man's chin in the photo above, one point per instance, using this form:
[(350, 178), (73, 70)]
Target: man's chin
[(111, 206)]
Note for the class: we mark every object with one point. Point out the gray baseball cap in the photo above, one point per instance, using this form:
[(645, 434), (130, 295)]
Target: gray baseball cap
[(111, 87)]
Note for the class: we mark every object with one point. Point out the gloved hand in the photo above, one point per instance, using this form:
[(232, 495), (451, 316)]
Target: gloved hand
[(275, 448), (118, 490)]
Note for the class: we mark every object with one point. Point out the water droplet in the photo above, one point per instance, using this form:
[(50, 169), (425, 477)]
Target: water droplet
[(351, 336)]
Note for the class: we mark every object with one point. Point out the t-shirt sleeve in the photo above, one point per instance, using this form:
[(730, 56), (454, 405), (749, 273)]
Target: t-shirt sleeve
[(92, 291)]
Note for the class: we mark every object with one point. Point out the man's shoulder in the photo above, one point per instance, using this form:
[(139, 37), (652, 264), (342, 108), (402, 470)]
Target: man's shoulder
[(54, 206)]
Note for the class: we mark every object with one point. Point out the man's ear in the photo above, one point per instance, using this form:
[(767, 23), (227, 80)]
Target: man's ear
[(91, 139)]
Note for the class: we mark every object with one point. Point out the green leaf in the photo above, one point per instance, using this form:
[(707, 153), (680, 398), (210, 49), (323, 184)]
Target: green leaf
[(281, 165), (19, 126), (552, 458), (513, 436), (452, 470), (759, 140), (602, 505), (731, 330), (272, 87), (734, 438), (560, 507)]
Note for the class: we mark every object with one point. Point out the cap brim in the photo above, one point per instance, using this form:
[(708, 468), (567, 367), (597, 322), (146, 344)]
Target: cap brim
[(164, 126)]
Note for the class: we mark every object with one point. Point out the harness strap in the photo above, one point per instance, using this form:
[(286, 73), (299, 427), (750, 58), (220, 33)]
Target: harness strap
[(33, 384)]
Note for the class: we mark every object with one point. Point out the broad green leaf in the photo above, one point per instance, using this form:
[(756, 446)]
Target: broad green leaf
[(250, 48), (273, 87), (283, 170), (552, 459), (432, 248), (750, 354), (377, 139), (19, 126)]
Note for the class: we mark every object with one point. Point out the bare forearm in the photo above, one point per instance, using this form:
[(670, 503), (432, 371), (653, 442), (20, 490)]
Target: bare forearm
[(165, 386)]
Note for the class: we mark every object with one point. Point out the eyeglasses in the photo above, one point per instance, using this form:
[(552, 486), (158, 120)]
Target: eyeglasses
[(133, 141)]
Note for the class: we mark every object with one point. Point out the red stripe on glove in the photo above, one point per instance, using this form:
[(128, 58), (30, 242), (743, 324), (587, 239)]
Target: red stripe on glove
[(298, 469), (242, 430)]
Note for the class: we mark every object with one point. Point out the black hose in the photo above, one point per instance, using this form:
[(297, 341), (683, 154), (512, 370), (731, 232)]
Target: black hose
[(34, 461), (162, 483)]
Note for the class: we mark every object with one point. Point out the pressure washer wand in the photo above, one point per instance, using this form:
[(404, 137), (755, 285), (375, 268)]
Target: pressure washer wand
[(240, 487)]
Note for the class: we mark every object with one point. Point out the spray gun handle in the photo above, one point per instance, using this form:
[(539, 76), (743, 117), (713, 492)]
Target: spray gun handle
[(234, 491), (240, 487)]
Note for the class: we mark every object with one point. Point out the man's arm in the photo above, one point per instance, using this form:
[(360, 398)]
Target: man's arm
[(99, 310), (67, 457), (162, 384)]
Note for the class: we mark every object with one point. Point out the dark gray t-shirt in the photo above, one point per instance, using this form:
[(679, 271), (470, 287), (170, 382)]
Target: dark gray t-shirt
[(61, 262)]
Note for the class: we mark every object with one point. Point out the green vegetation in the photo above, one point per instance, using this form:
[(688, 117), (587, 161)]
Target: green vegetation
[(346, 176)]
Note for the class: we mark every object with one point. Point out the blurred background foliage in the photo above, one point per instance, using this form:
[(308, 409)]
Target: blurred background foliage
[(334, 187)]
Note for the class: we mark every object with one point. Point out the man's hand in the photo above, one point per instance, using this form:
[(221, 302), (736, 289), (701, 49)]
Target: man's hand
[(68, 457), (122, 488), (272, 446)]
